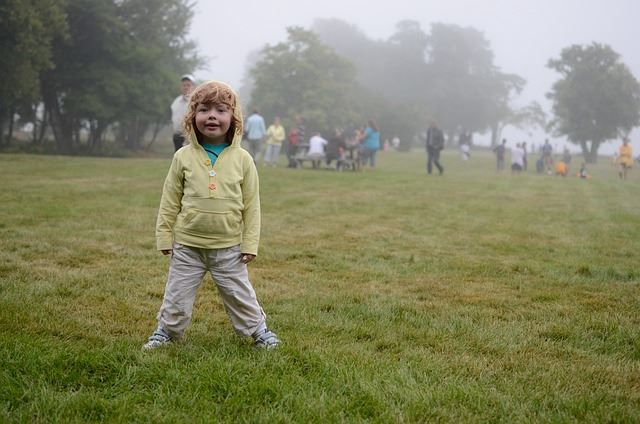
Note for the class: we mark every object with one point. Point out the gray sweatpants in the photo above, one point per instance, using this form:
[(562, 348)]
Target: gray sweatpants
[(187, 269)]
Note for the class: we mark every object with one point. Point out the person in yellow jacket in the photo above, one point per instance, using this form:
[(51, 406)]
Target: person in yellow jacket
[(209, 219), (625, 158), (275, 137)]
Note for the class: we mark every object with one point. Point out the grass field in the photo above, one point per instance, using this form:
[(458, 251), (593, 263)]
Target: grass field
[(472, 297)]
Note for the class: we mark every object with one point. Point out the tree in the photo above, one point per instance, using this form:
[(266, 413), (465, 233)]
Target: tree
[(596, 100), (466, 90), (448, 75), (529, 116), (157, 52), (391, 74), (304, 76), (27, 28), (114, 69)]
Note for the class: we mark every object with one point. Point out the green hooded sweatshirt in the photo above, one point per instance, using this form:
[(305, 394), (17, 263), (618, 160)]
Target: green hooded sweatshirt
[(210, 210)]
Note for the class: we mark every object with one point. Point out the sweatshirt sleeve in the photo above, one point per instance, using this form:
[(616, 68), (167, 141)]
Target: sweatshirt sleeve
[(251, 212), (169, 206)]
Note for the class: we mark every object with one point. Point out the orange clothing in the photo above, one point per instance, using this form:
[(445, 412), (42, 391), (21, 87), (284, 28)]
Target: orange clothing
[(626, 156), (561, 168)]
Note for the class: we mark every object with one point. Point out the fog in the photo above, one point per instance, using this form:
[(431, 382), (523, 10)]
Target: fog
[(524, 34)]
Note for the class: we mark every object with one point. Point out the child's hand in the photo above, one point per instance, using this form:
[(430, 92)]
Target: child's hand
[(166, 252), (247, 257)]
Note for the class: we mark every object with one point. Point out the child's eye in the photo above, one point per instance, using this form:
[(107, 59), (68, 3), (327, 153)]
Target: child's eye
[(202, 109)]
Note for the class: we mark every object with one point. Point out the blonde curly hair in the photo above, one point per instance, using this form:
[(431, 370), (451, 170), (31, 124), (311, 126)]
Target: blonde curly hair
[(211, 93)]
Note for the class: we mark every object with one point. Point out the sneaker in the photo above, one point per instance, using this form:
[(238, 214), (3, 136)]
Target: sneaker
[(266, 340), (156, 341)]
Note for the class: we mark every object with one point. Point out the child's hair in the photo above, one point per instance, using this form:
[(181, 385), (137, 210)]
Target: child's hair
[(211, 93)]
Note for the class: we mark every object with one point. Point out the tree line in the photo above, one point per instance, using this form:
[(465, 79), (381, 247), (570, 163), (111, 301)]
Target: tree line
[(335, 76), (83, 68)]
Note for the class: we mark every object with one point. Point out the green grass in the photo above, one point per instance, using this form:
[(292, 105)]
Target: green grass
[(399, 297)]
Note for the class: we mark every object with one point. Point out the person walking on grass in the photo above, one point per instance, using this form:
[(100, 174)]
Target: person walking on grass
[(500, 150), (275, 137), (209, 220), (435, 144), (179, 108)]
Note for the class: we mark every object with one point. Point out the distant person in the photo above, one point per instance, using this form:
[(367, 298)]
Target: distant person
[(566, 156), (359, 134), (561, 168), (395, 143), (547, 155), (434, 144), (255, 131), (352, 137), (465, 151), (179, 109), (500, 151), (295, 137), (625, 158), (370, 144), (614, 159), (583, 173), (465, 138), (525, 164), (517, 159), (209, 220), (292, 147), (336, 149), (275, 137), (316, 152), (540, 165)]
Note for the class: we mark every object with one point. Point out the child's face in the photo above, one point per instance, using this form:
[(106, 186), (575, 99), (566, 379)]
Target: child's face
[(213, 121)]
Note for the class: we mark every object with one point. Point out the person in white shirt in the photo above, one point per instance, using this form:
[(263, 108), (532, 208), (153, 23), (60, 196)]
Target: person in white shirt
[(395, 143), (517, 159), (179, 109), (316, 149), (465, 151)]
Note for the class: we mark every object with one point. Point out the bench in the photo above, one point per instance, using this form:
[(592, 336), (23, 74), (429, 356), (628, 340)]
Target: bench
[(349, 162)]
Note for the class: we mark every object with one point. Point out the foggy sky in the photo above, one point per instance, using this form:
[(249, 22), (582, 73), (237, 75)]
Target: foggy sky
[(524, 34)]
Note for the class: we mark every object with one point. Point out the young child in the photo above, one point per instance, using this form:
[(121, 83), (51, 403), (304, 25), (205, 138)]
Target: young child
[(561, 168), (583, 173), (209, 219)]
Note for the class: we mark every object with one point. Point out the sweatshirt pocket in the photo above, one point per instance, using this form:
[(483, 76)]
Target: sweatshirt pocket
[(211, 224)]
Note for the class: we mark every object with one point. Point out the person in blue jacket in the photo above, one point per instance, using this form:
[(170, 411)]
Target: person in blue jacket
[(370, 144)]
